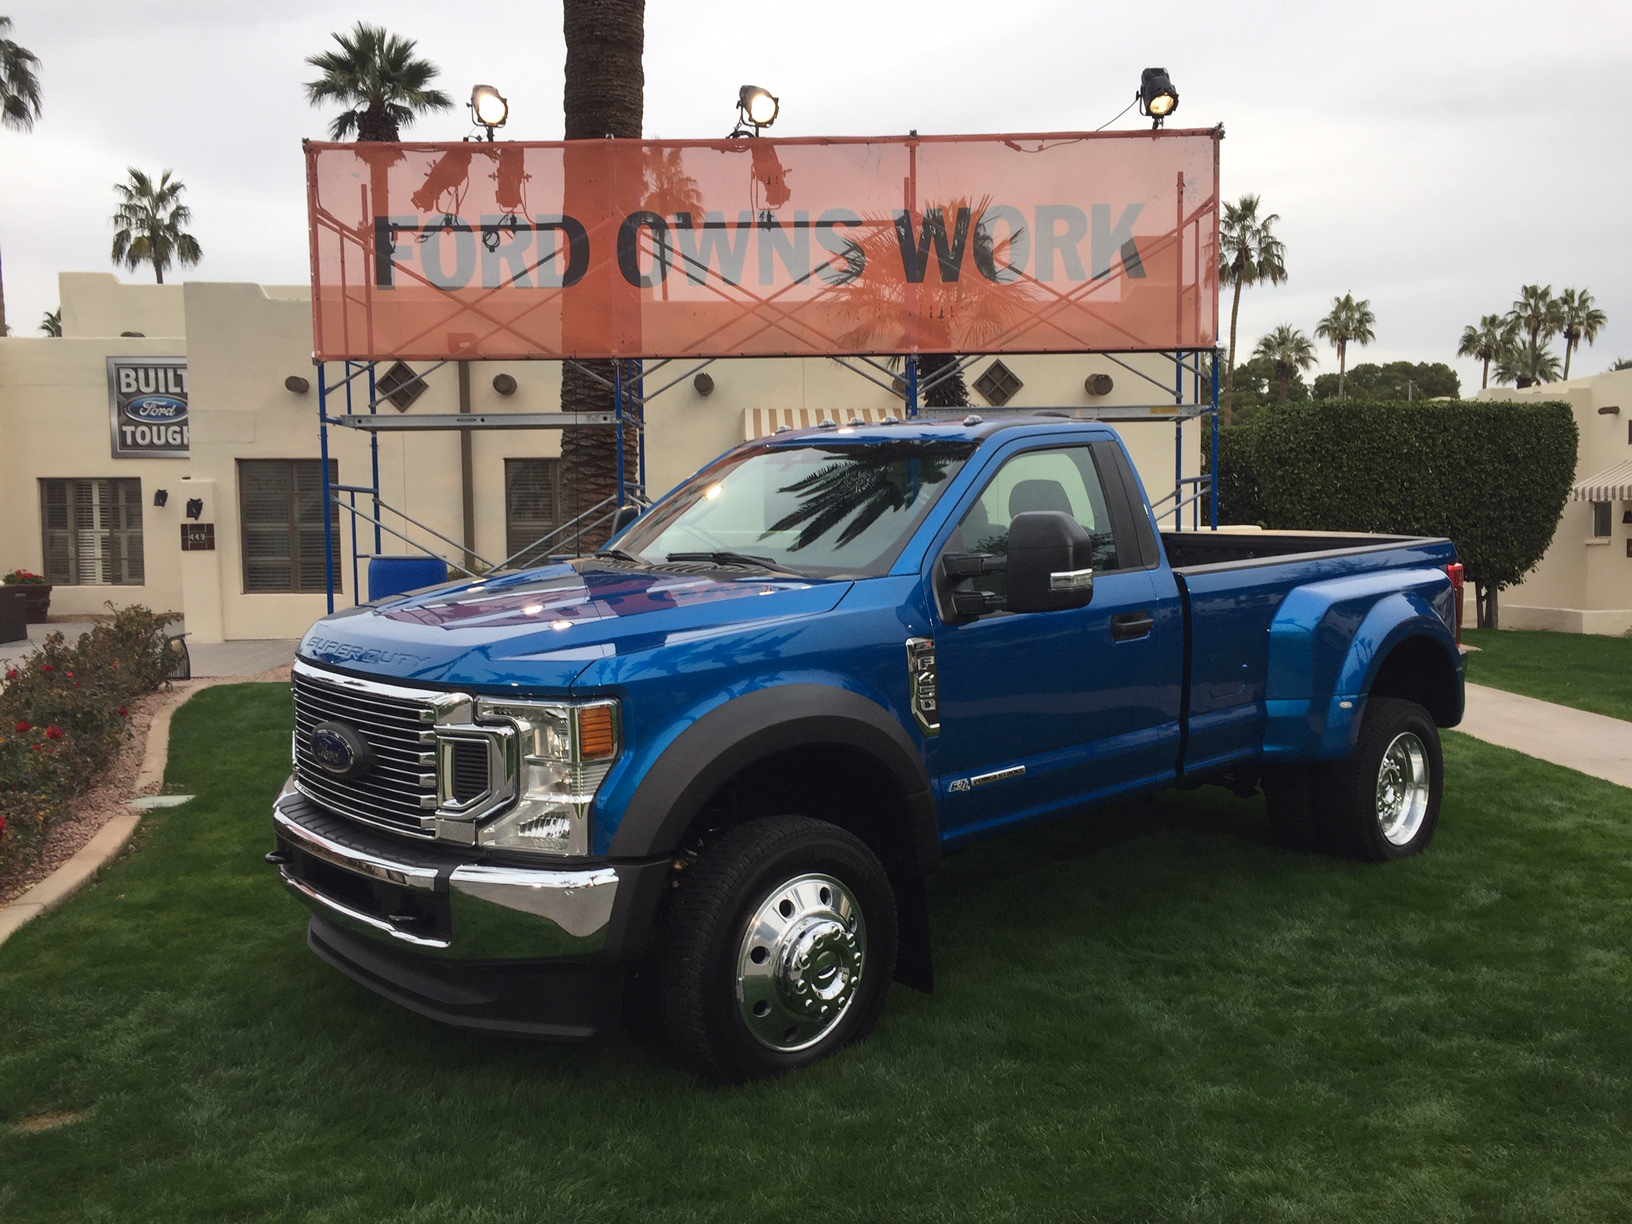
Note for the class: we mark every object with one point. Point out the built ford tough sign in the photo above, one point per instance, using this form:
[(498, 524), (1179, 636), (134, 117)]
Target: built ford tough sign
[(707, 769)]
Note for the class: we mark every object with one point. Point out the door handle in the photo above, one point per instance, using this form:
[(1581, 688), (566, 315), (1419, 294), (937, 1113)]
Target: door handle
[(1126, 626)]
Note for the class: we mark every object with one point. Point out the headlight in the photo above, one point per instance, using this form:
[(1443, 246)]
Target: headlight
[(563, 753)]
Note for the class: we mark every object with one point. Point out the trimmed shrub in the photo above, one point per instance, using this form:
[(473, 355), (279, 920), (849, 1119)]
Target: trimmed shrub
[(63, 715), (1492, 476), (1238, 500)]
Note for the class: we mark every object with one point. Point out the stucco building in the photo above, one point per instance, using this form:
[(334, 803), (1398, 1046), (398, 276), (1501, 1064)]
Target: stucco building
[(174, 412), (1584, 582)]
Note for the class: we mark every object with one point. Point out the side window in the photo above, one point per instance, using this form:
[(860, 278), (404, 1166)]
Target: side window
[(1063, 479)]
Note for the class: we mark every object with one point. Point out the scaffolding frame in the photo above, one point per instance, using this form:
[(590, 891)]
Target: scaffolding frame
[(628, 389)]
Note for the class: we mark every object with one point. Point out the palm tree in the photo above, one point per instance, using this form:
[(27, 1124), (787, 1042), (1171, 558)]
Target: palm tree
[(1486, 343), (148, 221), (604, 95), (1524, 366), (1349, 322), (377, 76), (51, 324), (1536, 314), (19, 103), (1248, 252), (1290, 351), (19, 83), (1579, 320)]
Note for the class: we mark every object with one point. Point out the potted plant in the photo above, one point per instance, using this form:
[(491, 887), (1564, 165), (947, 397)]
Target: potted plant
[(36, 593)]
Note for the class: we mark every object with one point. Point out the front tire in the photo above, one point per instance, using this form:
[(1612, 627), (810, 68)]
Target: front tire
[(777, 950), (1382, 802)]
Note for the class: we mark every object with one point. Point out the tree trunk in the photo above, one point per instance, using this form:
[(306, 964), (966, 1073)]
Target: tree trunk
[(1229, 377), (1486, 604), (2, 303), (1569, 347), (158, 272), (604, 95), (1342, 367), (1485, 381)]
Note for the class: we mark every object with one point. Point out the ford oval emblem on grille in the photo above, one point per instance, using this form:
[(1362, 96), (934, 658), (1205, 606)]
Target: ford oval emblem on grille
[(340, 750)]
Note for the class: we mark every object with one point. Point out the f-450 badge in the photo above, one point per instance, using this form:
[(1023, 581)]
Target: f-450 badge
[(924, 689)]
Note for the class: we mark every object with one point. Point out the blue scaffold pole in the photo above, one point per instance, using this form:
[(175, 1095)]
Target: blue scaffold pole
[(1212, 485), (328, 492), (374, 454), (617, 400), (912, 388)]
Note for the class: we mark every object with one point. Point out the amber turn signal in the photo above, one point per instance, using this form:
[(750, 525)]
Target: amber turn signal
[(597, 738)]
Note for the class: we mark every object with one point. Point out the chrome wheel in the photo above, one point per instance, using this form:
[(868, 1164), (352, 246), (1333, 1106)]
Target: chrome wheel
[(800, 963), (1402, 789)]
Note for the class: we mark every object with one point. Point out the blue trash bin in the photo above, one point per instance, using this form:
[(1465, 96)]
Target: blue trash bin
[(394, 575)]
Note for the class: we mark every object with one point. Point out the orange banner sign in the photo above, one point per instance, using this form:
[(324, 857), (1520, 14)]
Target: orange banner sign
[(755, 247)]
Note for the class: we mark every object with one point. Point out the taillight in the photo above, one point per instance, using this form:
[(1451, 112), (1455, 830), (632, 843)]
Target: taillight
[(1454, 573)]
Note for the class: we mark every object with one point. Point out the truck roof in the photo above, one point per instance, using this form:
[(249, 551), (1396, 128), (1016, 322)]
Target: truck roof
[(973, 426)]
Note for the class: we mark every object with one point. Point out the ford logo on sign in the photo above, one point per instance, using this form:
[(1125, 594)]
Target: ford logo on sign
[(157, 408), (340, 751)]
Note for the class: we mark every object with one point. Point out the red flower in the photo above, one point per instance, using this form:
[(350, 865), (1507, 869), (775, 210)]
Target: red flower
[(2, 825), (70, 675), (47, 667), (11, 674), (124, 711), (53, 732), (20, 726)]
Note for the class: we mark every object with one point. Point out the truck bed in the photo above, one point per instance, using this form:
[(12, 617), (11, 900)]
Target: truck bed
[(1192, 550), (1233, 585)]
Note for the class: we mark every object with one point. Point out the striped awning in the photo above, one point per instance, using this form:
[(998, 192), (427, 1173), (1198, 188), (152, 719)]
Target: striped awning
[(762, 422), (1610, 485)]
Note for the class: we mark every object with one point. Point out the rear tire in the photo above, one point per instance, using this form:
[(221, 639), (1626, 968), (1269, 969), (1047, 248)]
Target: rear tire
[(1382, 802), (778, 949)]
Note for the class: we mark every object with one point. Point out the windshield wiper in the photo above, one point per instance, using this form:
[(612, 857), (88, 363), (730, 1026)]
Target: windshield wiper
[(732, 558), (619, 555)]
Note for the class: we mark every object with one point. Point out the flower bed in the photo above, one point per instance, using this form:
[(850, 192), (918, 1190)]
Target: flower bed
[(63, 715)]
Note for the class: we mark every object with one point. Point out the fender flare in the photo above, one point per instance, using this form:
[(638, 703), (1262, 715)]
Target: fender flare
[(757, 725), (1315, 696)]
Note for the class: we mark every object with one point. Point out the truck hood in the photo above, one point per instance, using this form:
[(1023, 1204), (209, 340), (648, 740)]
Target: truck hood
[(540, 628)]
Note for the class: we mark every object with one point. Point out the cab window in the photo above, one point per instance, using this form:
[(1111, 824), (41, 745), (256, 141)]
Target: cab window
[(1062, 479)]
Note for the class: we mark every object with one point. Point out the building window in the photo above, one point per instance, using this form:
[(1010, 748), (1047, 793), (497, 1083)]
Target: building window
[(280, 504), (1600, 520), (532, 508), (92, 531)]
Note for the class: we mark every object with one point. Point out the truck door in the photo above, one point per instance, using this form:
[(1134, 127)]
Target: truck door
[(1044, 711)]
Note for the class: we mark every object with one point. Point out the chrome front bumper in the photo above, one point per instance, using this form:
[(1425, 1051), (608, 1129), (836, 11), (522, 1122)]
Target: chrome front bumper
[(433, 904)]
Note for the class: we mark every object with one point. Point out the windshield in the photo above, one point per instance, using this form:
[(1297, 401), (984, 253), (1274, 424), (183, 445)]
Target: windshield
[(826, 509)]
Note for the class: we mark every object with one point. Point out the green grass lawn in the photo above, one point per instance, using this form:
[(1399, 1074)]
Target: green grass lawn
[(1146, 1015), (1584, 670)]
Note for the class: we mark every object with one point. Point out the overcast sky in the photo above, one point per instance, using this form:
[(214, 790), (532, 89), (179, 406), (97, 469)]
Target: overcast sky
[(1430, 155)]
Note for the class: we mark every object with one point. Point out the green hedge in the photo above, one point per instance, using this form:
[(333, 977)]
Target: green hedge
[(1492, 475)]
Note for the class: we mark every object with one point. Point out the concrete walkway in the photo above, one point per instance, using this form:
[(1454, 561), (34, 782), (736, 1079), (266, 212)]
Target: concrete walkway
[(1589, 743), (210, 659)]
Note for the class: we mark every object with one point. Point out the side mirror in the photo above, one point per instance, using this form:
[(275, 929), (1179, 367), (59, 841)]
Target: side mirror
[(1050, 562), (624, 516)]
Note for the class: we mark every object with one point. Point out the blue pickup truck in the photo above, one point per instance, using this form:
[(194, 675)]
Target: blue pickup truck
[(705, 771)]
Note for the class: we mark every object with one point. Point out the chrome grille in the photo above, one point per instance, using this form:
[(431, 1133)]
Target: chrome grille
[(399, 792)]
